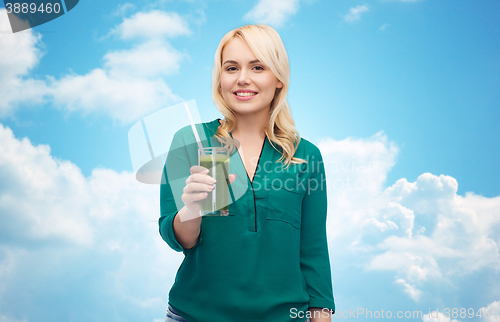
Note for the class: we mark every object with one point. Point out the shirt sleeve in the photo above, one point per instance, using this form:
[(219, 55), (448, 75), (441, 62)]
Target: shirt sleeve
[(314, 258), (175, 172)]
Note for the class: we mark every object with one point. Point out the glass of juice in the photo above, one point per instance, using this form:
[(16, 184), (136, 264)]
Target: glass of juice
[(216, 160)]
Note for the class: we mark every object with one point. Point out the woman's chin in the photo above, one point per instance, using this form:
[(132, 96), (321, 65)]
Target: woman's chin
[(247, 112)]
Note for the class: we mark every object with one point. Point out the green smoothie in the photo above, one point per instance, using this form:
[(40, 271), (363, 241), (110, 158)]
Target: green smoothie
[(217, 199)]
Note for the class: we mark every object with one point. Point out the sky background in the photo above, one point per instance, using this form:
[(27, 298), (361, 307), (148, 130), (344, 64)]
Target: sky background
[(402, 97)]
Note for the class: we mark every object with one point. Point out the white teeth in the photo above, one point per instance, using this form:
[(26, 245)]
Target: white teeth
[(245, 94)]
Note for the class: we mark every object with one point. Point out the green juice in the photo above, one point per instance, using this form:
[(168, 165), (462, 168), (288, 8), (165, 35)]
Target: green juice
[(217, 199)]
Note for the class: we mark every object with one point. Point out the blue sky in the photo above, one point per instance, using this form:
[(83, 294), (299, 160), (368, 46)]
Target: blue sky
[(401, 96)]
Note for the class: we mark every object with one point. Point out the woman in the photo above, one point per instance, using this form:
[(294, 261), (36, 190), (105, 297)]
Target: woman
[(268, 260)]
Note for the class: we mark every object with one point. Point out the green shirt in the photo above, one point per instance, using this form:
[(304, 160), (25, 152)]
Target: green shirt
[(268, 259)]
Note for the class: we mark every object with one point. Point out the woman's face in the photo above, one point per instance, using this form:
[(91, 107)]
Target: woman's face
[(247, 85)]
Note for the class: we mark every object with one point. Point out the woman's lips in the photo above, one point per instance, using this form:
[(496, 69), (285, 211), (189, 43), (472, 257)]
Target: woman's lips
[(245, 98)]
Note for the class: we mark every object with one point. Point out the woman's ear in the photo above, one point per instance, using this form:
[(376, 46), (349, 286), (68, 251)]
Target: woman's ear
[(280, 85)]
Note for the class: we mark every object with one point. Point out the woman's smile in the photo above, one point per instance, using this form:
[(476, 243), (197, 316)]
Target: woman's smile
[(245, 95)]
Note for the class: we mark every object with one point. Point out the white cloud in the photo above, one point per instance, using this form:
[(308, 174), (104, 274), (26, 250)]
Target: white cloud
[(128, 86), (422, 231), (99, 92), (458, 230), (44, 199), (355, 13), (457, 239), (150, 59), (491, 313), (153, 24), (414, 267), (409, 289), (356, 170), (122, 9), (383, 27), (272, 12), (19, 52), (395, 220), (69, 242), (3, 318), (436, 316), (402, 0)]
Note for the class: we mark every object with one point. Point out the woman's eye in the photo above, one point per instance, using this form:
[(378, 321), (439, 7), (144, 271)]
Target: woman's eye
[(259, 67), (230, 69)]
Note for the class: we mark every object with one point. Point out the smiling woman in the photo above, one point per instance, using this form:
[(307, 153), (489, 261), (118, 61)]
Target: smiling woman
[(268, 259), (247, 84)]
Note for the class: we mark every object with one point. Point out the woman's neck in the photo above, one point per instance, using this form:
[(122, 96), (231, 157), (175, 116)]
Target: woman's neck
[(251, 127)]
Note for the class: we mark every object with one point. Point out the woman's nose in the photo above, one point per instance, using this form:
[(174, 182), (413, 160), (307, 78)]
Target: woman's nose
[(243, 78)]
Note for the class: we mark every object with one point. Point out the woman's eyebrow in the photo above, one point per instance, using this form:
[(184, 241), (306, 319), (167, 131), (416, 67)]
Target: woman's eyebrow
[(235, 62)]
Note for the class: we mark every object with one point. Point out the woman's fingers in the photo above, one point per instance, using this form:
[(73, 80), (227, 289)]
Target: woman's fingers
[(189, 198), (205, 178), (201, 178), (198, 184), (195, 187), (200, 174), (197, 169)]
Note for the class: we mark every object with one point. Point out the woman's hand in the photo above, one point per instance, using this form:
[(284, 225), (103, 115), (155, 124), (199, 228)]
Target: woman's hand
[(198, 184), (320, 315), (188, 220)]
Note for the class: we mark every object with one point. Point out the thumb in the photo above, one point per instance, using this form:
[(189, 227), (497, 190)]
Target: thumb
[(232, 177)]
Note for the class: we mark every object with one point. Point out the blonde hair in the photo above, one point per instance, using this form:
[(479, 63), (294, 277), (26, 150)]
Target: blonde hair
[(267, 46)]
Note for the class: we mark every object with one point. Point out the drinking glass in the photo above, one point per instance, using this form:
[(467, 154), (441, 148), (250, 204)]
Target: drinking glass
[(216, 160)]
